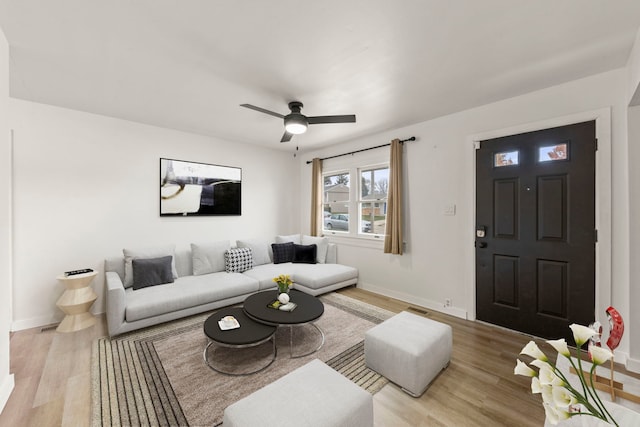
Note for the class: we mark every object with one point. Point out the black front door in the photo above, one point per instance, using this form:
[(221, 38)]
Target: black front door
[(535, 230)]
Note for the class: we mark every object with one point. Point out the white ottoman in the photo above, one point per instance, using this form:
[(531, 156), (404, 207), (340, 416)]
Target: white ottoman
[(313, 395), (409, 350)]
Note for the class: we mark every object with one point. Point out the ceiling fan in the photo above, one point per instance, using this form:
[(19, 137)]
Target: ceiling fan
[(296, 123)]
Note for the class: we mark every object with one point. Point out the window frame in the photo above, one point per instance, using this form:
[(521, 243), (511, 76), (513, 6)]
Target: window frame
[(353, 167)]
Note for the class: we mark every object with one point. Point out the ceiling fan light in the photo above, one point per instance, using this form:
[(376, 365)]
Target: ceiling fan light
[(296, 128), (295, 124)]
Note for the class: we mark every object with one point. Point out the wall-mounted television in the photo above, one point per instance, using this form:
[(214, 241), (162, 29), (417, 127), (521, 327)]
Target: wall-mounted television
[(193, 188)]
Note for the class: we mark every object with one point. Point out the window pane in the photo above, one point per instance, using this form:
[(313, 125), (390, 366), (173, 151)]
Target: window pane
[(508, 158), (552, 153), (336, 202), (373, 217), (337, 222), (374, 184)]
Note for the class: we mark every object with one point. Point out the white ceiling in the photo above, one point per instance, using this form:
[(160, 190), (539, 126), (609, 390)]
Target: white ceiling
[(188, 64)]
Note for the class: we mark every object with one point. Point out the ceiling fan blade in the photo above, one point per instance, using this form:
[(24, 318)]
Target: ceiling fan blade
[(286, 137), (349, 118), (262, 110)]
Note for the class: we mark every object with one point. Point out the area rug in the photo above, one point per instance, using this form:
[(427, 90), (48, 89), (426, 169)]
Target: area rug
[(157, 376)]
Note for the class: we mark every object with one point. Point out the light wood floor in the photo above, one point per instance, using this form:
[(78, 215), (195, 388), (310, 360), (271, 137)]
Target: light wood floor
[(52, 379)]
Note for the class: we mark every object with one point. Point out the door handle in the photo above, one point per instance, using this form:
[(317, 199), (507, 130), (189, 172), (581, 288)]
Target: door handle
[(482, 245)]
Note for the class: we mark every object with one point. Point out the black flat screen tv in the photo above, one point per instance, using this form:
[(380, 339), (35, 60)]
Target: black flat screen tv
[(194, 189)]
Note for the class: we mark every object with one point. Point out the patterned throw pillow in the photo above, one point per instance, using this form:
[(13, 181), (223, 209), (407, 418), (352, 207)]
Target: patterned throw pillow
[(282, 252), (238, 260)]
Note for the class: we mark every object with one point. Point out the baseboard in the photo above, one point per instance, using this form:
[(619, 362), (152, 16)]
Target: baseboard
[(632, 365), (34, 322), (5, 390), (412, 299)]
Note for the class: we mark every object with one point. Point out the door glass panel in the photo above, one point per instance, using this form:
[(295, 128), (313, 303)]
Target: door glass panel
[(551, 153), (508, 158)]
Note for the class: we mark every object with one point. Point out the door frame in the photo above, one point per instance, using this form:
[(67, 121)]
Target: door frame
[(603, 189)]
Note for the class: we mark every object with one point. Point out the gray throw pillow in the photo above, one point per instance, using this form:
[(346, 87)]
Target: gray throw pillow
[(259, 248), (130, 255), (209, 257), (322, 243), (151, 272), (295, 238)]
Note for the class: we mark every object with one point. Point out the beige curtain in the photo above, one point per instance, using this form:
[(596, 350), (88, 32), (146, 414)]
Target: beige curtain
[(393, 238), (316, 197)]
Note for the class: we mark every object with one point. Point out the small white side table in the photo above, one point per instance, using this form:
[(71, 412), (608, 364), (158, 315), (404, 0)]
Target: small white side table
[(76, 301)]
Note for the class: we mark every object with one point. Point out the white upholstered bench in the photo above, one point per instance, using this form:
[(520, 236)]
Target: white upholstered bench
[(409, 350), (313, 395)]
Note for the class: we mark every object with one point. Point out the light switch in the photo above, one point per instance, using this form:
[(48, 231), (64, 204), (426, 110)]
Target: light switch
[(449, 209)]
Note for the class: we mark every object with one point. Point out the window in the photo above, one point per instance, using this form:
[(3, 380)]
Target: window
[(336, 198), (372, 203), (552, 153), (355, 199), (508, 158)]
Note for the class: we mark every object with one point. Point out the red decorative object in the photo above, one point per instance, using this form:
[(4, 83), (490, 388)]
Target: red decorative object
[(616, 325)]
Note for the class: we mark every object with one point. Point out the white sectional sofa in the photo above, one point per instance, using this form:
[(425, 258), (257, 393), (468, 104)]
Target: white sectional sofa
[(201, 281)]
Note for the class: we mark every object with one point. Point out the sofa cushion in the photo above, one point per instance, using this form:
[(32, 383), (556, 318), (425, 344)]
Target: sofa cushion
[(321, 242), (316, 276), (151, 271), (295, 238), (209, 257), (265, 273), (131, 254), (186, 292), (238, 260), (305, 254), (260, 249), (282, 252)]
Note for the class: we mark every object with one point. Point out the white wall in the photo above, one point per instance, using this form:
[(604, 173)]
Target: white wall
[(86, 186), (633, 95), (439, 262), (6, 380), (633, 323)]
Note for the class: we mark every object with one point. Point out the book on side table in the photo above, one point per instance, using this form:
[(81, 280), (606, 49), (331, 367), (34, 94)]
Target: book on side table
[(277, 305)]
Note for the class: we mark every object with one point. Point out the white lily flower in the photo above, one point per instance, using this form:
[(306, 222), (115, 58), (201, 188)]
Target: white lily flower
[(562, 414), (551, 414), (523, 369), (599, 355), (581, 334), (559, 399), (547, 394), (535, 385), (531, 349), (560, 346), (540, 364), (562, 398), (548, 377)]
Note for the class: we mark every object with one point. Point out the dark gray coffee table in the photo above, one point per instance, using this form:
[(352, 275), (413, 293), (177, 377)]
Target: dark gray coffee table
[(249, 334), (309, 310)]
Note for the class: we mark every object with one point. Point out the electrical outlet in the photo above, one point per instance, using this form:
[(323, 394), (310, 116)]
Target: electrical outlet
[(447, 302)]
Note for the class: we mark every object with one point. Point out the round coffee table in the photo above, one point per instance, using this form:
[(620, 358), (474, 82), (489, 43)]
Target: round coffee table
[(249, 334), (308, 310)]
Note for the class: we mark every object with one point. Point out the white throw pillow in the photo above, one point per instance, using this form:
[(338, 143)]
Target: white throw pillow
[(131, 254), (259, 249), (295, 238), (322, 243), (209, 257)]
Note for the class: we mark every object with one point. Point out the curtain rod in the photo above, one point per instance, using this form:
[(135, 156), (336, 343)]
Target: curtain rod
[(413, 138)]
